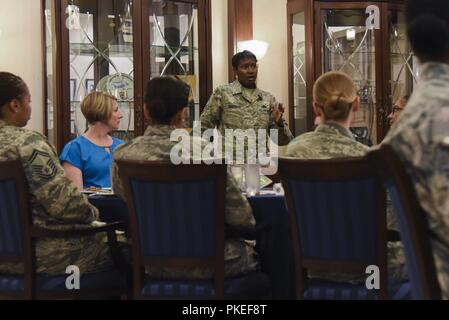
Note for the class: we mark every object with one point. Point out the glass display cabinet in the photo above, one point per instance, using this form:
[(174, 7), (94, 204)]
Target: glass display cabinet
[(367, 41), (116, 46)]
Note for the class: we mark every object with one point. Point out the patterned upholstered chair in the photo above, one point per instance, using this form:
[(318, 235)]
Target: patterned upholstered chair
[(412, 223), (17, 238), (177, 220), (338, 224)]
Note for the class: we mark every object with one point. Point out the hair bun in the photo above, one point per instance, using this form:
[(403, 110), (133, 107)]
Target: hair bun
[(336, 107)]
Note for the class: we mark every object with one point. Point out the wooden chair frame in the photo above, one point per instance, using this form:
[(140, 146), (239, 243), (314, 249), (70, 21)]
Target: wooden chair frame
[(157, 171), (13, 170), (333, 170), (392, 170)]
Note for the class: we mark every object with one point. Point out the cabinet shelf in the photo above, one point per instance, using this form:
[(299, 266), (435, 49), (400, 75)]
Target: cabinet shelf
[(121, 50)]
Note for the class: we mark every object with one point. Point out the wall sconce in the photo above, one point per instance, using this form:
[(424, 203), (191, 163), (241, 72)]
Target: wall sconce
[(350, 34), (73, 20), (259, 48), (1, 33)]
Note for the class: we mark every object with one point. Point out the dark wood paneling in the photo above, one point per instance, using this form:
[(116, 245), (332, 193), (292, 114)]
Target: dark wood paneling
[(294, 7), (240, 26), (205, 51), (44, 66), (65, 76), (140, 29)]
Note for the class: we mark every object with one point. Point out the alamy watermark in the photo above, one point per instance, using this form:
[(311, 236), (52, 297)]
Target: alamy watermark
[(372, 282), (72, 282), (237, 147), (373, 20)]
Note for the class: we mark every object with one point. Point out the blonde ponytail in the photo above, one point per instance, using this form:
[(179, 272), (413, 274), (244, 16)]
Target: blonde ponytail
[(335, 93)]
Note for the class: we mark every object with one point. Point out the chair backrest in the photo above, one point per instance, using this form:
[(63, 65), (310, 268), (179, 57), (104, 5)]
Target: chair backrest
[(337, 217), (411, 220), (15, 221), (176, 215)]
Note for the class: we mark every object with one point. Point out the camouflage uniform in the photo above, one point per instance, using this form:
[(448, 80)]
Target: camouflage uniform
[(328, 141), (155, 145), (233, 106), (56, 204), (419, 139)]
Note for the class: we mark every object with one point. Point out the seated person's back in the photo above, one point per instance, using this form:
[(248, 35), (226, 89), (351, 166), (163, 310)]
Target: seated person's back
[(335, 102), (165, 105), (87, 159), (55, 202)]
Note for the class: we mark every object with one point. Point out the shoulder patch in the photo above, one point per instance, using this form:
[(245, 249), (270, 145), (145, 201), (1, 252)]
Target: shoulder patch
[(42, 165)]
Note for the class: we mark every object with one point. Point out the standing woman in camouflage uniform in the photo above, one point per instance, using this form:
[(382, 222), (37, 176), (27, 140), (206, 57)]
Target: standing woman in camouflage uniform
[(55, 202), (335, 102), (421, 135), (241, 105), (165, 105)]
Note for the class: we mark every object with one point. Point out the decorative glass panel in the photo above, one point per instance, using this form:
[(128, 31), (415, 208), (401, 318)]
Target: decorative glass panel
[(174, 46), (404, 65), (101, 58), (350, 47), (299, 73)]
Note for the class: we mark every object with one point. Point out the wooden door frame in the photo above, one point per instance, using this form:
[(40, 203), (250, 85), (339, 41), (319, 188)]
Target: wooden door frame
[(385, 108), (294, 7)]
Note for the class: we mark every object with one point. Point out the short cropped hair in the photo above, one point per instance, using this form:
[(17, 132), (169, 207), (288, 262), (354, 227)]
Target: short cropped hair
[(242, 55), (428, 29), (97, 107)]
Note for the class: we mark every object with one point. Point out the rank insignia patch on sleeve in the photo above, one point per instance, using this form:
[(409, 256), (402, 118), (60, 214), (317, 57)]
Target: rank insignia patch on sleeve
[(42, 165)]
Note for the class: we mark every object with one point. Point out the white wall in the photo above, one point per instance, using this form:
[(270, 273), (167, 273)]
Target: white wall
[(270, 25), (220, 42), (21, 51)]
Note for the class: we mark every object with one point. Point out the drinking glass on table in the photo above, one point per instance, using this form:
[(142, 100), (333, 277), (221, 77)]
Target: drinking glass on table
[(252, 178)]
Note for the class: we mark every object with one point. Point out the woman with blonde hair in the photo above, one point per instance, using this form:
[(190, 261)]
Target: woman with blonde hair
[(335, 102), (87, 159)]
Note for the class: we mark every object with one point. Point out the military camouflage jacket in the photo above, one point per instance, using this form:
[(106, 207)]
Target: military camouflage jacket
[(232, 106), (328, 141), (55, 202), (155, 145), (420, 137)]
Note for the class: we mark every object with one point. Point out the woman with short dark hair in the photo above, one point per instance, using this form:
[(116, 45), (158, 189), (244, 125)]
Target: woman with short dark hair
[(165, 105)]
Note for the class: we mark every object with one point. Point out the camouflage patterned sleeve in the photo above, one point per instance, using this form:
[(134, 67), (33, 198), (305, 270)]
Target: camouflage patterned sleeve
[(48, 184), (210, 118), (238, 210), (284, 133)]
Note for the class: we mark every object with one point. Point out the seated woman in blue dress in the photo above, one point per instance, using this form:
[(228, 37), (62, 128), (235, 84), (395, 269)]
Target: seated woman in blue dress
[(88, 158)]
